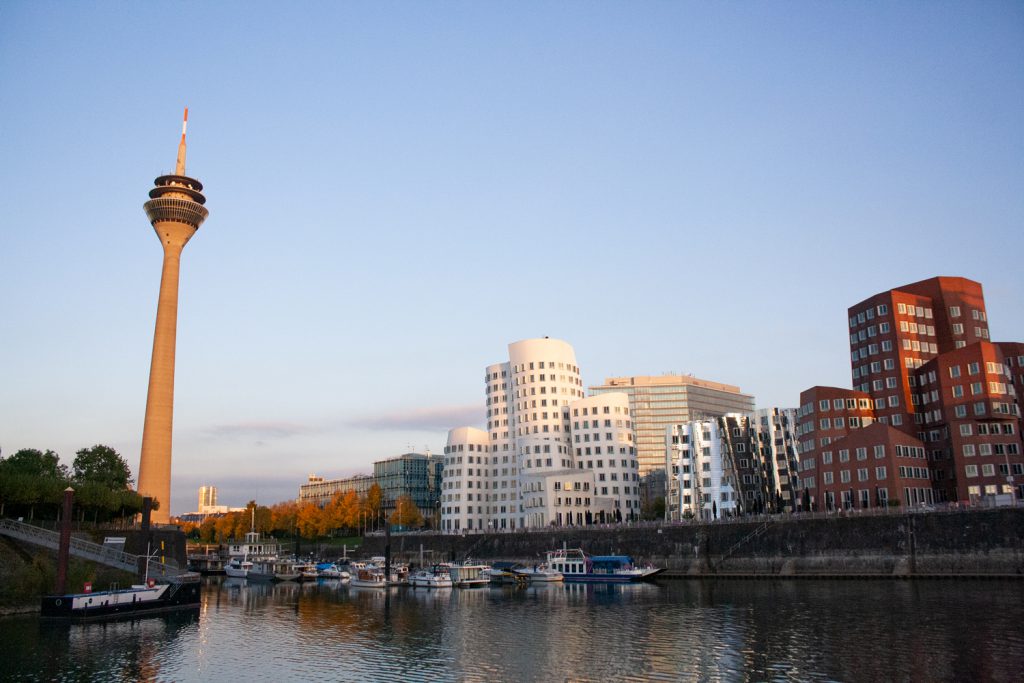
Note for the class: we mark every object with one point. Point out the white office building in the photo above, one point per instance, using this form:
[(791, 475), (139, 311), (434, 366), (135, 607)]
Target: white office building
[(528, 473)]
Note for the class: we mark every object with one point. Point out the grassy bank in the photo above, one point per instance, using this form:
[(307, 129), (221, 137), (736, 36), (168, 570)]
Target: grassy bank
[(27, 573)]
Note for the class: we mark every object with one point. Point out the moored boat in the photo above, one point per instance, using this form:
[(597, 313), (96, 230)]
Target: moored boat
[(237, 568), (435, 577), (369, 577), (576, 565), (273, 569), (540, 573), (142, 599), (469, 574)]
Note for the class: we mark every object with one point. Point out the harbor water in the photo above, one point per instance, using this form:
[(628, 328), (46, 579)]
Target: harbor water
[(665, 631)]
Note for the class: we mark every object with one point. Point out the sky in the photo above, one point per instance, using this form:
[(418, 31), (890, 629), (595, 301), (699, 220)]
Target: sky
[(398, 190)]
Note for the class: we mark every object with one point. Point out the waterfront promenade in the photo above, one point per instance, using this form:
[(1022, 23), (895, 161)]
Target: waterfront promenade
[(946, 543)]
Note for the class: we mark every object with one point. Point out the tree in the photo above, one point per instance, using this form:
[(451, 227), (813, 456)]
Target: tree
[(102, 465), (308, 520), (406, 513), (374, 498), (34, 463)]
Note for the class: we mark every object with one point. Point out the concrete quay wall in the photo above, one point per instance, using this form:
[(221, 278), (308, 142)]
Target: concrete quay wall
[(958, 543)]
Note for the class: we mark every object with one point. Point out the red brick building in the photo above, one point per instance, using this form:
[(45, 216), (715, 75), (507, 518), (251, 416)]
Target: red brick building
[(922, 364)]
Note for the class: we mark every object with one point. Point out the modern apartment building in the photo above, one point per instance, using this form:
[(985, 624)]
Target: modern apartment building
[(656, 403), (549, 456), (732, 465), (922, 364)]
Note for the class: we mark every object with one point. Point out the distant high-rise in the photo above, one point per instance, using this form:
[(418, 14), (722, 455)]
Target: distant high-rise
[(176, 211), (207, 497), (660, 402)]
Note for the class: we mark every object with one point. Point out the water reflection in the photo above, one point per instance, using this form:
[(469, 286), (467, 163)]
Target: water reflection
[(691, 630)]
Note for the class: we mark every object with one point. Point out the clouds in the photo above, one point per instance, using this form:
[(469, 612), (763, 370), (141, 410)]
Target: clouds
[(440, 418), (258, 430)]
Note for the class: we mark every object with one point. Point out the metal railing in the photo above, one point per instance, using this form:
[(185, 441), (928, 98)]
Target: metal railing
[(88, 550)]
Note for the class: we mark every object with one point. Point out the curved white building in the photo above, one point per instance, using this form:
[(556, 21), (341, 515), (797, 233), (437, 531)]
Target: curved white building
[(527, 473), (465, 484)]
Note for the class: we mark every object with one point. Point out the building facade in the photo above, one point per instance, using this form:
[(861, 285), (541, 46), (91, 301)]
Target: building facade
[(530, 468), (415, 475), (923, 365), (320, 491), (656, 403)]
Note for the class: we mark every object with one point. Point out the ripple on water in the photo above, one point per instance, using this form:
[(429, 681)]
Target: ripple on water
[(687, 630)]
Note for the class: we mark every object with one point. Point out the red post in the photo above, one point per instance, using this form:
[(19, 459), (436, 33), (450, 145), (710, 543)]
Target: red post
[(64, 550)]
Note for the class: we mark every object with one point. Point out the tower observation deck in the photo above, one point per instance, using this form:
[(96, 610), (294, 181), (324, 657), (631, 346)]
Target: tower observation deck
[(175, 210)]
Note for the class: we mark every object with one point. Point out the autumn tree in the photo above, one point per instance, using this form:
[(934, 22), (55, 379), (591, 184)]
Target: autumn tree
[(373, 502), (406, 513)]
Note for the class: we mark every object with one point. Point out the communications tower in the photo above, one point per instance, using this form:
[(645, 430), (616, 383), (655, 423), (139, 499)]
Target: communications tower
[(175, 209)]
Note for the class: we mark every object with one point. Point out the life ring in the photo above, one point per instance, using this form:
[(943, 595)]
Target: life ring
[(57, 603)]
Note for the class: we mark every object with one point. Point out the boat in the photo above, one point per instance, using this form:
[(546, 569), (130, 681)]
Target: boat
[(369, 576), (576, 565), (435, 577), (141, 599), (237, 568), (329, 570), (468, 574), (273, 569), (253, 545), (503, 573), (540, 573), (307, 570)]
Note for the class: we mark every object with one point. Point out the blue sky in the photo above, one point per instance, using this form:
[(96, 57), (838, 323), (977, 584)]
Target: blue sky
[(399, 190)]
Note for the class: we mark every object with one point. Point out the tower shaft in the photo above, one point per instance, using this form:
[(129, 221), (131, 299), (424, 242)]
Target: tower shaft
[(176, 211)]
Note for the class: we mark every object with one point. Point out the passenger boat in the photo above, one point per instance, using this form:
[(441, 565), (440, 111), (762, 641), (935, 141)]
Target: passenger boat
[(469, 575), (142, 599), (436, 577), (576, 565), (540, 573), (237, 568), (273, 569)]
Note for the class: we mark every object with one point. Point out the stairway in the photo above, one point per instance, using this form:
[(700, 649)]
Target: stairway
[(86, 550)]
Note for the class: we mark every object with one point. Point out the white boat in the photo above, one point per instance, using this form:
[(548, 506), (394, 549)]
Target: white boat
[(273, 569), (469, 575), (369, 577), (576, 565), (540, 573), (237, 568), (253, 546), (436, 577)]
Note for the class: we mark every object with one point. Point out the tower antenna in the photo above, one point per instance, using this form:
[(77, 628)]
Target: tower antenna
[(179, 168)]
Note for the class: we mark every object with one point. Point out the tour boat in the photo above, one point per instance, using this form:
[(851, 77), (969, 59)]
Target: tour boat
[(437, 577), (273, 569), (540, 573), (469, 575), (237, 568), (147, 598), (576, 565)]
